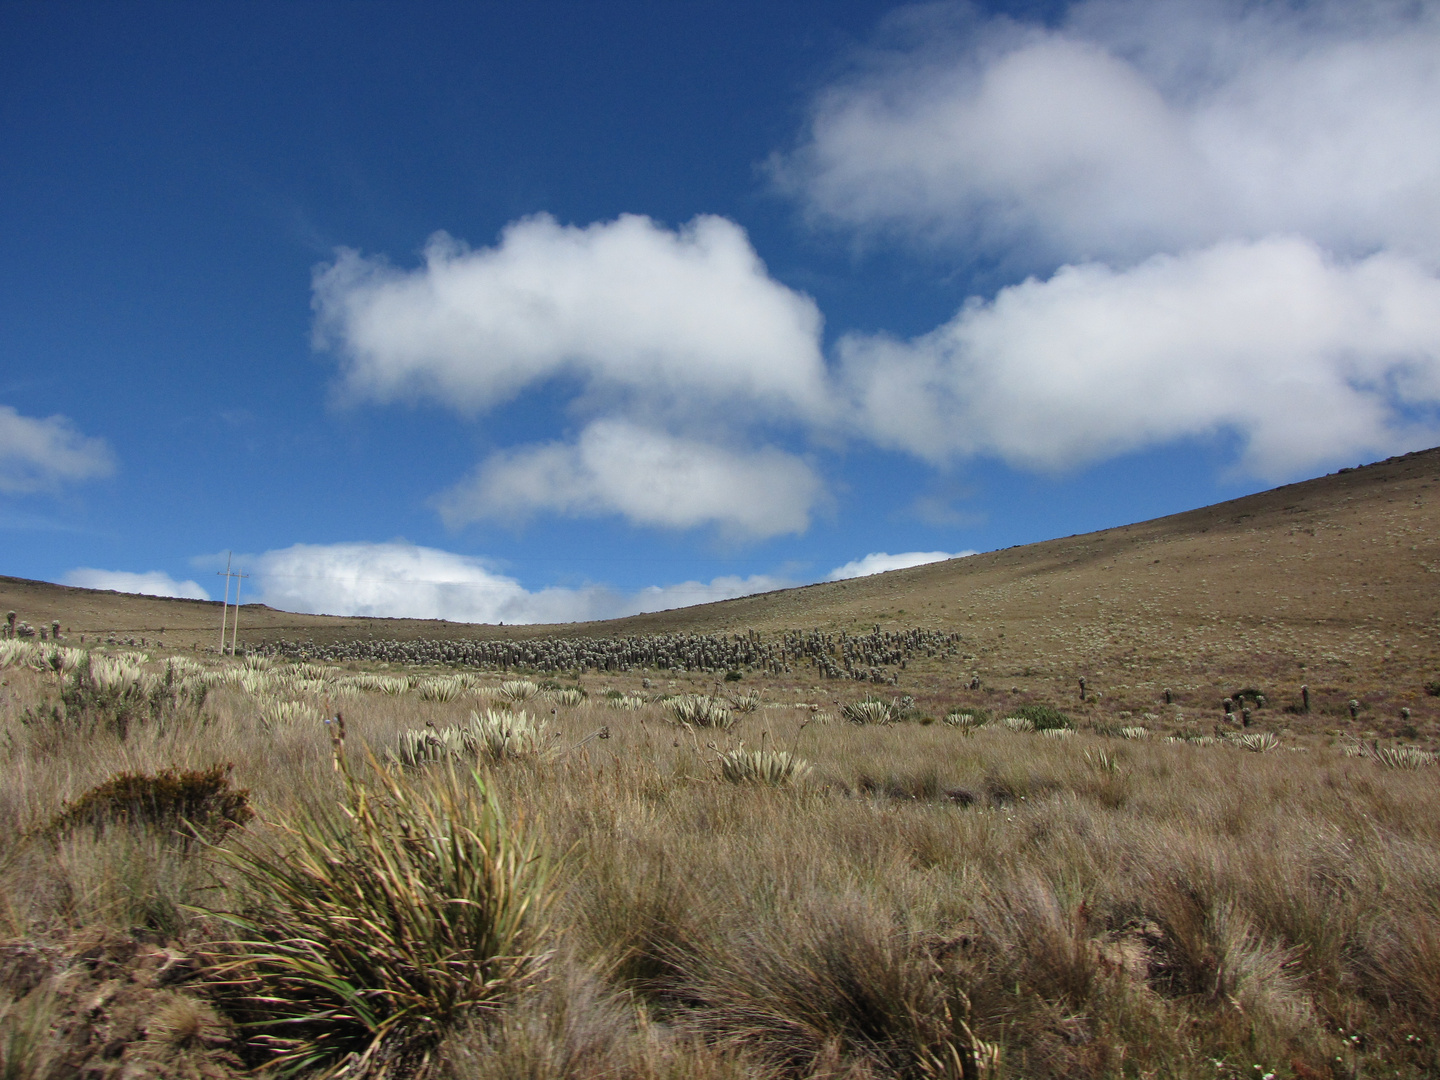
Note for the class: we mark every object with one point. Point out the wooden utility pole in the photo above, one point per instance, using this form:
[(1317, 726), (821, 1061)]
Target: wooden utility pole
[(224, 604), (235, 631), (227, 574)]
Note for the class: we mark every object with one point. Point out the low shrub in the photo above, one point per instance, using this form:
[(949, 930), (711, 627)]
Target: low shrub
[(112, 693), (1250, 694), (1044, 717), (180, 801)]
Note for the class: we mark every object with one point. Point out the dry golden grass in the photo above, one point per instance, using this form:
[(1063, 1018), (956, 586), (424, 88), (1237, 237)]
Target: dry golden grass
[(1142, 896), (1329, 583), (930, 901)]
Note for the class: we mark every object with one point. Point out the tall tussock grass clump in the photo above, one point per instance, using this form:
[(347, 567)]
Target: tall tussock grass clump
[(832, 990), (26, 1052), (1044, 717), (371, 929)]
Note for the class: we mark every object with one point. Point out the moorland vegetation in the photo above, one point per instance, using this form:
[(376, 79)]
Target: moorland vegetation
[(1157, 801), (222, 864)]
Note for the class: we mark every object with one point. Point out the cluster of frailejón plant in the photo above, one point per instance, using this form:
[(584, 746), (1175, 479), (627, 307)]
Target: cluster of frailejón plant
[(869, 657), (762, 766), (492, 736)]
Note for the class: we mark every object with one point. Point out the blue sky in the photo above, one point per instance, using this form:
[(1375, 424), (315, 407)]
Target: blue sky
[(548, 311)]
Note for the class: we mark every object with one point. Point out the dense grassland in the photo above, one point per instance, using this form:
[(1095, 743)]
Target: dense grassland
[(594, 877)]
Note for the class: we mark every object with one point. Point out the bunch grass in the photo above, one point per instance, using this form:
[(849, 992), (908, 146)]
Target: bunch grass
[(372, 928)]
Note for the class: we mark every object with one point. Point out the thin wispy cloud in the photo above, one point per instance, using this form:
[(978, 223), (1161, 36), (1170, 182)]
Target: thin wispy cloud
[(880, 562), (400, 580), (39, 455), (153, 583)]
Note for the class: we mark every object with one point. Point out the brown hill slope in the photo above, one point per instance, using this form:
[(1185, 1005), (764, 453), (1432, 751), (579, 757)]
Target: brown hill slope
[(1332, 581)]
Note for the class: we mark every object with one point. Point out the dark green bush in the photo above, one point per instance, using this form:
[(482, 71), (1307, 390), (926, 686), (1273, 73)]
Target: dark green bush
[(1043, 716), (174, 800)]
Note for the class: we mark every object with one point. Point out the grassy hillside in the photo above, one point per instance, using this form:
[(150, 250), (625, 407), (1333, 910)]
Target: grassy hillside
[(1330, 583), (1219, 861)]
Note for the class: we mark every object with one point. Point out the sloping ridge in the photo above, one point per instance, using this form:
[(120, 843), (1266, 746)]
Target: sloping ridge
[(1318, 559)]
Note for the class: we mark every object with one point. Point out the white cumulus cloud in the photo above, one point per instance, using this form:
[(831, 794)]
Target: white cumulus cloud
[(400, 580), (153, 583), (1230, 210), (1307, 359), (665, 318), (40, 455), (648, 476), (878, 562), (1140, 125), (658, 330)]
